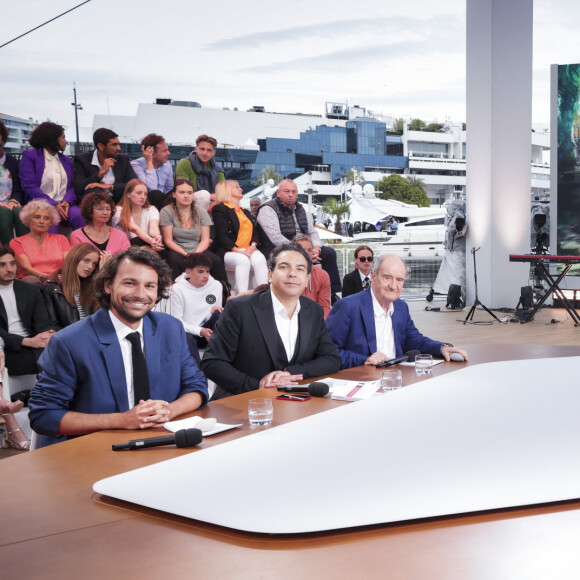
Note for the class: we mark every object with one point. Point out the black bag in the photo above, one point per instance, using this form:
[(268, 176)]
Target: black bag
[(454, 301)]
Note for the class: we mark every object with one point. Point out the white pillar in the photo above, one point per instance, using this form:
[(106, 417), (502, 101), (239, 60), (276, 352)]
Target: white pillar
[(499, 118)]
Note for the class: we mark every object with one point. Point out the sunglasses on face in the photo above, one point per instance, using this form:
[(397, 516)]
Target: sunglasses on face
[(364, 259)]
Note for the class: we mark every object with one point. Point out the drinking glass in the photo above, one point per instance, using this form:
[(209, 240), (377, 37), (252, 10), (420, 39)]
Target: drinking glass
[(260, 411), (423, 364), (392, 379)]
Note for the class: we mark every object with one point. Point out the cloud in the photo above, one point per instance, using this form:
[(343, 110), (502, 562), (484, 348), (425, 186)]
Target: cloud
[(339, 29)]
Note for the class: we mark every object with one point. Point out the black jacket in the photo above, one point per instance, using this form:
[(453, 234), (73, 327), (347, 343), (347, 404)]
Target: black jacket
[(86, 173), (60, 312)]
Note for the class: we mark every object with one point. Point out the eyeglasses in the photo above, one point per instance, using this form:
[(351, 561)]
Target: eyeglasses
[(364, 259)]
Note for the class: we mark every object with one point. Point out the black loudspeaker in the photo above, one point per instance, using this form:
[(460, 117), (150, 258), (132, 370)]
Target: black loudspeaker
[(454, 301), (527, 297)]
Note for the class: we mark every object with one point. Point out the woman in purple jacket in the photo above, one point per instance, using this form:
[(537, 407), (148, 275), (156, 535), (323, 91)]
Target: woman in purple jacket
[(10, 193), (47, 174)]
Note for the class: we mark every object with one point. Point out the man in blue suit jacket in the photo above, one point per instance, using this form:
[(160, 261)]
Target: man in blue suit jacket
[(353, 321), (86, 382)]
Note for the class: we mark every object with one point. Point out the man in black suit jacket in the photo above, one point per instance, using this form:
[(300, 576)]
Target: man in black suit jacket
[(24, 323), (354, 281), (105, 169), (274, 337)]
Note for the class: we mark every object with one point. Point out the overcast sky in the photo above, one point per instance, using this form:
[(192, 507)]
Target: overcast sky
[(395, 58)]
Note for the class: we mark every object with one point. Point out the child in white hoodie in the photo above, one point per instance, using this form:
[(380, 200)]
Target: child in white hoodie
[(197, 300)]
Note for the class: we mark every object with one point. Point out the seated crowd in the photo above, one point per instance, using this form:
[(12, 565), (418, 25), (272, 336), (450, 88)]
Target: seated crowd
[(140, 236)]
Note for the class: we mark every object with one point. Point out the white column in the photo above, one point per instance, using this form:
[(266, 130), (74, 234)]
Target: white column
[(499, 117)]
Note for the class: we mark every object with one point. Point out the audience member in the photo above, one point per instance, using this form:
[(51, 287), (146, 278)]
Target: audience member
[(185, 230), (105, 169), (46, 173), (360, 278), (97, 210), (318, 287), (11, 196), (271, 338), (236, 238), (199, 168), (24, 324), (137, 218), (282, 218), (197, 300), (94, 374), (154, 168), (374, 325), (39, 253), (255, 204), (69, 295), (13, 436)]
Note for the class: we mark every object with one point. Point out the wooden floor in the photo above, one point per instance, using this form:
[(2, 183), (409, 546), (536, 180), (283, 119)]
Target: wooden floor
[(448, 326)]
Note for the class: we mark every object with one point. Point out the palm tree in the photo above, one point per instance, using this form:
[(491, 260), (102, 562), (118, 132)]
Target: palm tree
[(417, 182), (337, 209), (268, 173)]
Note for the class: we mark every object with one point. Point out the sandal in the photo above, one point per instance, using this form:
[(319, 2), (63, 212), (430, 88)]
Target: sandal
[(8, 443), (12, 408)]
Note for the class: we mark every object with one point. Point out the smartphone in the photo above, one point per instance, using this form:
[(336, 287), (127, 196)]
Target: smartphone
[(299, 397)]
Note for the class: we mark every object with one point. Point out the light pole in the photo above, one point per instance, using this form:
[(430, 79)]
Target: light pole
[(77, 106)]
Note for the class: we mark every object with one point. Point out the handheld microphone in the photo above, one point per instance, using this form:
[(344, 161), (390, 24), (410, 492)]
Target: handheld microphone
[(315, 389), (181, 438), (392, 361), (412, 354)]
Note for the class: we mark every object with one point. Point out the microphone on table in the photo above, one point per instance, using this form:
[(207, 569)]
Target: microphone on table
[(181, 438), (315, 389), (412, 354)]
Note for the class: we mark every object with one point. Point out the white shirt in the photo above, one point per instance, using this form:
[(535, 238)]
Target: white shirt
[(384, 328), (54, 179), (8, 297), (287, 327), (109, 177), (362, 277), (147, 214), (123, 331)]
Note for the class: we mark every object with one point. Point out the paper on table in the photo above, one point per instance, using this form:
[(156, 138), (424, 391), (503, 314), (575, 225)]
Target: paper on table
[(436, 361), (350, 390), (191, 422)]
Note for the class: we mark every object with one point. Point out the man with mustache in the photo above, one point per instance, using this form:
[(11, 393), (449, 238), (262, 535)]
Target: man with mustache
[(124, 367)]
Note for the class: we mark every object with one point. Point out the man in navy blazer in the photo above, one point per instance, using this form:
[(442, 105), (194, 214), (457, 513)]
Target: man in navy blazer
[(86, 382), (374, 325)]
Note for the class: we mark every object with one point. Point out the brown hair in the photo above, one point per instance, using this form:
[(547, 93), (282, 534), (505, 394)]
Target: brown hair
[(140, 256), (72, 283), (207, 139), (360, 248), (194, 215), (93, 199), (125, 204)]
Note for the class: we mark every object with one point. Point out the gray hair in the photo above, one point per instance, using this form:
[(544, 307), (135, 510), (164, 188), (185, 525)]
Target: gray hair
[(39, 205), (379, 261)]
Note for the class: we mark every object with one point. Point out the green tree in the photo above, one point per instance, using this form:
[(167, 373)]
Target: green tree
[(417, 125), (268, 173), (434, 128), (398, 126), (417, 182), (337, 209), (398, 188), (350, 176)]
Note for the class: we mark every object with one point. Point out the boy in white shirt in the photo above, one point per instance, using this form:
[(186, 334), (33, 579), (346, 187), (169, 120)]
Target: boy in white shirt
[(197, 300)]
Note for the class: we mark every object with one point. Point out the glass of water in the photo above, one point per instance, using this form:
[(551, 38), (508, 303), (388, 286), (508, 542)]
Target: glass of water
[(392, 379), (423, 364), (260, 411)]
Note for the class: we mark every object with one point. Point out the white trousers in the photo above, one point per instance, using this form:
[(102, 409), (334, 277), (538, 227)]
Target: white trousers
[(242, 266)]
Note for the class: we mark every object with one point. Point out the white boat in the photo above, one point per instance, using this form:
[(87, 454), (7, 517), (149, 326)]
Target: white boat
[(421, 230)]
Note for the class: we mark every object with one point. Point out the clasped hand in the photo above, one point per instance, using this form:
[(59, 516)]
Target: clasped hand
[(148, 414)]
